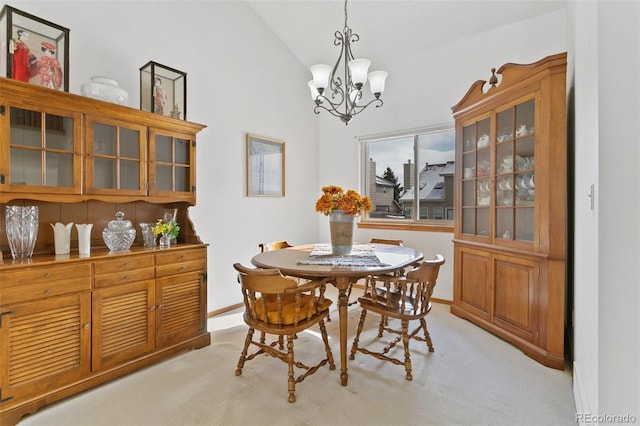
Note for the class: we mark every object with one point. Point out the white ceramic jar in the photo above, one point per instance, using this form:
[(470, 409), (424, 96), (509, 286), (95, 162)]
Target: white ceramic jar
[(105, 89)]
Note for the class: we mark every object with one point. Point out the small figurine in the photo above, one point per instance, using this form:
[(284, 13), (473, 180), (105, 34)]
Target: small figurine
[(49, 69), (159, 97), (23, 61), (175, 112)]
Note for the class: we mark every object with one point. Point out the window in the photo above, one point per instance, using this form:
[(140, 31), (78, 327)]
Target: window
[(402, 192)]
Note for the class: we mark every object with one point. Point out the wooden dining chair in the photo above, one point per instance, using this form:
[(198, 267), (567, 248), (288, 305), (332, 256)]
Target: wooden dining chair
[(405, 298), (278, 245), (385, 241), (274, 245), (278, 305), (373, 241)]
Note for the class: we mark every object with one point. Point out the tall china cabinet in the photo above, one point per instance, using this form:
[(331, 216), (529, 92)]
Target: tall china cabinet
[(510, 236), (70, 322)]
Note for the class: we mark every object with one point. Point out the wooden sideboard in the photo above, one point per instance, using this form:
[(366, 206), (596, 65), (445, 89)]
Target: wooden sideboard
[(68, 323)]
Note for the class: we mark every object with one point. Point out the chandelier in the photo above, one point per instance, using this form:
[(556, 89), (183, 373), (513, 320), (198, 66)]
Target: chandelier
[(342, 98)]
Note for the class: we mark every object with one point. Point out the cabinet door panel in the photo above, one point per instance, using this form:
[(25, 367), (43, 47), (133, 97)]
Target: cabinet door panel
[(172, 164), (44, 345), (123, 323), (181, 309), (116, 157), (516, 290), (41, 150), (475, 273)]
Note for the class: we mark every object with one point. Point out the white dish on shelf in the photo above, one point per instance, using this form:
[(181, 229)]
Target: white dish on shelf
[(105, 89), (529, 181), (522, 130)]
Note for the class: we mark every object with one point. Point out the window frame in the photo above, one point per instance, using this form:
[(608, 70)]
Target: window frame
[(414, 224)]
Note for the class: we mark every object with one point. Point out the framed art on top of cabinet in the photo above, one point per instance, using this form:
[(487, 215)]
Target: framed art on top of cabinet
[(33, 50), (265, 167)]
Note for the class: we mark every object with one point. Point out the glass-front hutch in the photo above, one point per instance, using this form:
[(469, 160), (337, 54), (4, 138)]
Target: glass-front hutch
[(511, 207)]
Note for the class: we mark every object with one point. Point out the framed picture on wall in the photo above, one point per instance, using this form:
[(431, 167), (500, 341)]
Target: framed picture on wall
[(265, 167), (33, 50)]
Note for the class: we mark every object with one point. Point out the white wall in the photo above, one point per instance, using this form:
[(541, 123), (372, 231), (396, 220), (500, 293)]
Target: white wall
[(586, 313), (619, 229), (420, 91), (240, 79), (607, 251)]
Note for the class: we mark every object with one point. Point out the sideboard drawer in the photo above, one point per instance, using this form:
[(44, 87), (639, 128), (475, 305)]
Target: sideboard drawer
[(172, 263), (22, 285), (123, 264), (124, 270)]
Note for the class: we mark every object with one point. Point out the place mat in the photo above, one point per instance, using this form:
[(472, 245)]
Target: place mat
[(361, 255)]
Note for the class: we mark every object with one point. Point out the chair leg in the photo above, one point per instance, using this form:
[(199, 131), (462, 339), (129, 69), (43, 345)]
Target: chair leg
[(354, 348), (407, 355), (427, 336), (263, 336), (290, 360), (383, 322), (281, 342), (327, 348), (243, 355)]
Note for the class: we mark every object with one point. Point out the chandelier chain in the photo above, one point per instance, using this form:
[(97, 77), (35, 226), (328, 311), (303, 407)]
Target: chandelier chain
[(345, 14)]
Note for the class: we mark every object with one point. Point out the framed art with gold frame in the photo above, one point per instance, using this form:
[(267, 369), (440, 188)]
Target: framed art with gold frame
[(33, 50), (265, 167)]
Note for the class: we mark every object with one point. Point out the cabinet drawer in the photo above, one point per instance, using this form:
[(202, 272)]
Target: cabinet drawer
[(173, 263), (36, 283), (123, 271), (123, 264), (124, 277)]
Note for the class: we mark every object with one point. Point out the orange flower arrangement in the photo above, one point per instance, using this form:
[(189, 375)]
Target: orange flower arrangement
[(334, 198)]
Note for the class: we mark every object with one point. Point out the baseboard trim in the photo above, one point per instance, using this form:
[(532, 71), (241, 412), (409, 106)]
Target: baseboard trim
[(583, 408), (224, 310)]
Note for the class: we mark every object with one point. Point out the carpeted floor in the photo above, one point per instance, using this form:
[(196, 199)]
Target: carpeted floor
[(472, 378)]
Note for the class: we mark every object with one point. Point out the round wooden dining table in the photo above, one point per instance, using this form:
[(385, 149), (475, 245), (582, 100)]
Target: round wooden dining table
[(392, 258)]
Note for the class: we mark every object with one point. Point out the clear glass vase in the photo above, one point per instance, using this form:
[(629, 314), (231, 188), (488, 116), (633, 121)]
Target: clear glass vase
[(165, 241), (22, 230), (148, 236)]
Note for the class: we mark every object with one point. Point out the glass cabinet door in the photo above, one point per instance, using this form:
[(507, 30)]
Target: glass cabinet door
[(116, 163), (171, 166), (43, 151), (514, 170), (476, 179)]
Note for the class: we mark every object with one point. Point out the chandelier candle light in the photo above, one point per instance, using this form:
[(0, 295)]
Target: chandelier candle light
[(331, 93)]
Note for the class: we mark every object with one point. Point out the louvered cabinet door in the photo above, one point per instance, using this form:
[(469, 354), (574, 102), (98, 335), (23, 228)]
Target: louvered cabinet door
[(181, 312), (123, 323), (44, 345)]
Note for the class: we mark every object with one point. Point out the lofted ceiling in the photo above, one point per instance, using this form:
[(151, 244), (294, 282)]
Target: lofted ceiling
[(388, 29)]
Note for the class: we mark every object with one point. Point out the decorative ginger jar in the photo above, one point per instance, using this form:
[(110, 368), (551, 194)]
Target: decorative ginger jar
[(119, 234)]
